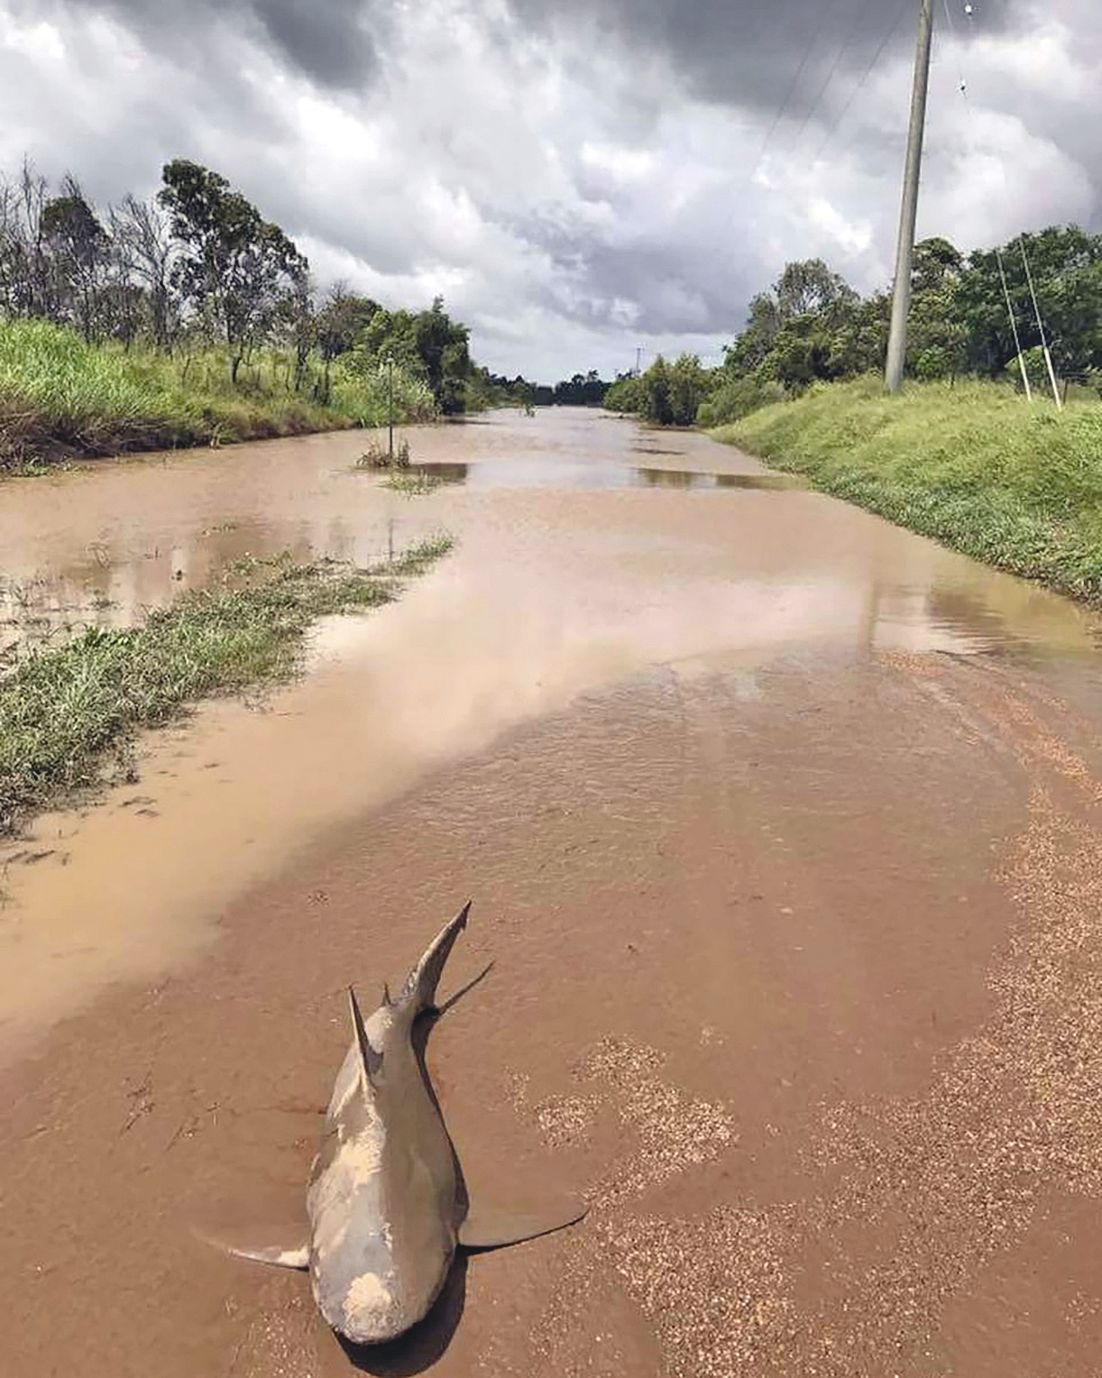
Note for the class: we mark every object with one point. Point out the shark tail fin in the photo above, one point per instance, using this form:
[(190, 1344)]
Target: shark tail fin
[(419, 991)]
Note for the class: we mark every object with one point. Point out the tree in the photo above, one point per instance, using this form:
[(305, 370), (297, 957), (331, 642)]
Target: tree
[(749, 351), (26, 275), (341, 321), (235, 269), (657, 406), (145, 252), (78, 248), (428, 344), (626, 395), (443, 346), (581, 390), (1066, 265), (690, 384), (809, 288)]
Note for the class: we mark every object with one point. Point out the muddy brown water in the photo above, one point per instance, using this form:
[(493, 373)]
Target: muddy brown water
[(782, 827)]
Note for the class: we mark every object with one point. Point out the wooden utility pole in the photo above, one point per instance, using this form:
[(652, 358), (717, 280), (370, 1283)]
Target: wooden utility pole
[(901, 298)]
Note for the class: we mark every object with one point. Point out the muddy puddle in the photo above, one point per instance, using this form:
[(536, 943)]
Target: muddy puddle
[(782, 827), (575, 567)]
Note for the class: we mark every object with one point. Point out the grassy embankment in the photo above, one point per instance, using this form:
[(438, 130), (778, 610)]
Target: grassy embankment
[(974, 466), (60, 397), (68, 715)]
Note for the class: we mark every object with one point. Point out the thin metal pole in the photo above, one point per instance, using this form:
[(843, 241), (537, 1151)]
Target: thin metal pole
[(1040, 325), (908, 216), (390, 407)]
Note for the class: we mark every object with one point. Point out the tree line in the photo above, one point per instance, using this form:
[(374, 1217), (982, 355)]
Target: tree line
[(198, 265), (965, 311)]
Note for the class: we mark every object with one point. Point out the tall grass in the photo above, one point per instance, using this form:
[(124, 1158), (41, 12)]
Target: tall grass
[(974, 466), (60, 396), (63, 711)]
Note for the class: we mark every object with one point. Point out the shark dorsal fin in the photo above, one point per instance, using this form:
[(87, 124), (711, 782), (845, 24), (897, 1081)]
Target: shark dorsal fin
[(371, 1058)]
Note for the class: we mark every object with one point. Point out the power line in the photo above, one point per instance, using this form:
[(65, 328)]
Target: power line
[(902, 9), (782, 110), (841, 51)]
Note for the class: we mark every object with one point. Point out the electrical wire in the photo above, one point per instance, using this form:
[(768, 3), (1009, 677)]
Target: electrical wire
[(782, 110), (842, 49), (901, 9)]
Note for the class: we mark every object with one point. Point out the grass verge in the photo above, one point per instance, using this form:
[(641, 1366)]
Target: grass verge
[(973, 466), (61, 398), (68, 714)]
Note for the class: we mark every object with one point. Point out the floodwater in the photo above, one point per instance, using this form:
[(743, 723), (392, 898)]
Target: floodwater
[(782, 829)]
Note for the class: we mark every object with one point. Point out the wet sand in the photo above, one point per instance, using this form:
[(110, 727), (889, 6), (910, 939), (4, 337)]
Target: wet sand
[(782, 830)]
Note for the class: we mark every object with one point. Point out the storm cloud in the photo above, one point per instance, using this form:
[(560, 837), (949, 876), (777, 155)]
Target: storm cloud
[(576, 177)]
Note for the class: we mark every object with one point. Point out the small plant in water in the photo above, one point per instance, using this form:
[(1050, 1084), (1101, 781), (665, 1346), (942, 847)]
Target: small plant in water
[(414, 484), (377, 456)]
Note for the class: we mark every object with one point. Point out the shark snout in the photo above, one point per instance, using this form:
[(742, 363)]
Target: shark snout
[(370, 1311)]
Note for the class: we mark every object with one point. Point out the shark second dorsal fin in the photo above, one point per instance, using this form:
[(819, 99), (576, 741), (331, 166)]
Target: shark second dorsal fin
[(371, 1058)]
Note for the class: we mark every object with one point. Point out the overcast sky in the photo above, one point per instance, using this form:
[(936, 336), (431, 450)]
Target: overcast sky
[(576, 177)]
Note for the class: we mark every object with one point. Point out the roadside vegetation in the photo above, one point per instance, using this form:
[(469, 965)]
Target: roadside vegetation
[(960, 455), (190, 319), (812, 327), (62, 397), (68, 715), (1019, 487)]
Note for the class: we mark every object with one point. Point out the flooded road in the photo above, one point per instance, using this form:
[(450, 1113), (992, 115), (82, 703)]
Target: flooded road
[(782, 829)]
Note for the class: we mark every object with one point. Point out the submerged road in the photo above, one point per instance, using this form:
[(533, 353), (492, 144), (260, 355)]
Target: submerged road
[(783, 831)]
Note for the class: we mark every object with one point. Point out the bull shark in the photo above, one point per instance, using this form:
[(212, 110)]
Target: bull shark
[(386, 1204)]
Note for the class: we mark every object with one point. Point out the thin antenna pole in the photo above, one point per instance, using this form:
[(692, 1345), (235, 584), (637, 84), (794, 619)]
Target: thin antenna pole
[(908, 216), (1040, 325), (1014, 327)]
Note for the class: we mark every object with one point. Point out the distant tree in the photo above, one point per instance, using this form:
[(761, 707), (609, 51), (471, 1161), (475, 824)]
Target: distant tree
[(428, 344), (657, 405), (582, 390), (26, 276), (626, 395), (235, 269), (690, 384), (144, 253), (79, 249), (342, 319), (810, 288)]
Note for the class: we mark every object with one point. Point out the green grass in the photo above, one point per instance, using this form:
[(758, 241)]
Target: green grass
[(60, 398), (66, 713), (414, 483), (974, 466)]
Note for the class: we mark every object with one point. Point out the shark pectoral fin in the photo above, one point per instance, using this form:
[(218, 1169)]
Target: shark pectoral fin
[(495, 1229), (294, 1257), (292, 1253), (297, 1256)]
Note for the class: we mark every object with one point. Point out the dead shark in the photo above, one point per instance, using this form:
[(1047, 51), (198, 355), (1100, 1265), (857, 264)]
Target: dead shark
[(386, 1203)]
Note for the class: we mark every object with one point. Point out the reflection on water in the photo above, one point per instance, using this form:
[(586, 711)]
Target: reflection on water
[(695, 479), (524, 471)]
